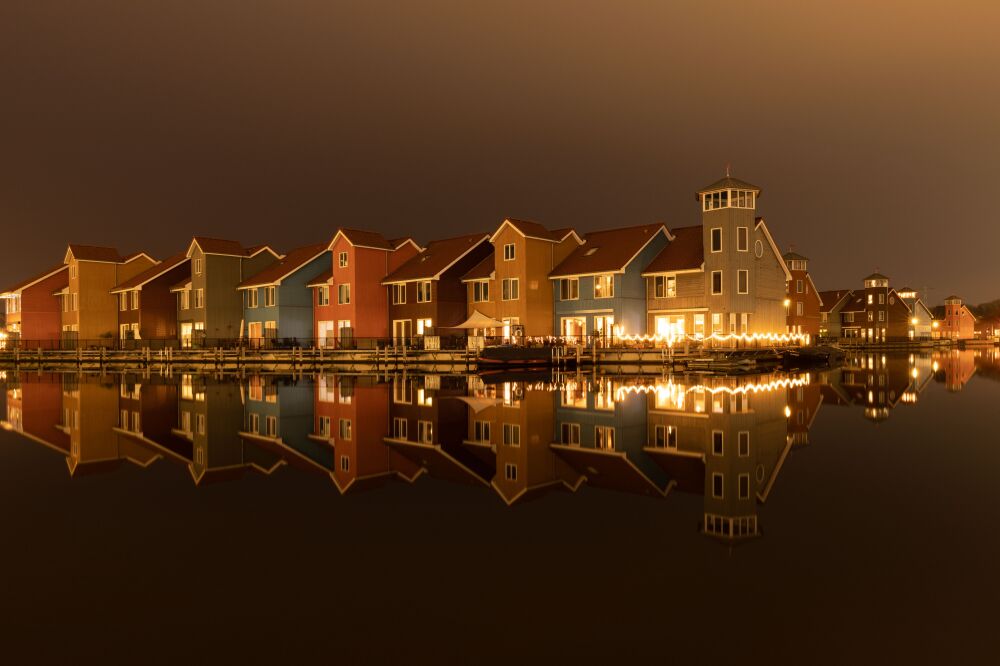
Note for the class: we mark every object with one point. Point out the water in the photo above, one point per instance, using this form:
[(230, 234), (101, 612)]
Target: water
[(834, 517)]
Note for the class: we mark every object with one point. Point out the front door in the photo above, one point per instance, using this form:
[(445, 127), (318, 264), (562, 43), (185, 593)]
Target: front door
[(324, 333), (255, 333), (604, 327), (401, 331), (573, 329)]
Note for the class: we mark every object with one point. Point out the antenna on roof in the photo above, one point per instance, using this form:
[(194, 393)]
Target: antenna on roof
[(728, 166)]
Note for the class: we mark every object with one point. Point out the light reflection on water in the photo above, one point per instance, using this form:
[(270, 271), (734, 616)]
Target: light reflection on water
[(724, 439)]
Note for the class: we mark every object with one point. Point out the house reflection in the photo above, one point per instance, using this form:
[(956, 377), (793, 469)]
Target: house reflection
[(955, 368), (878, 383), (34, 408)]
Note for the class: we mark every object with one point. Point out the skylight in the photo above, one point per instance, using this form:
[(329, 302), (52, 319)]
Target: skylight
[(591, 251)]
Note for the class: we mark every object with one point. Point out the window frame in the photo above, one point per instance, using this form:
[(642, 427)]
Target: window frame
[(712, 290)]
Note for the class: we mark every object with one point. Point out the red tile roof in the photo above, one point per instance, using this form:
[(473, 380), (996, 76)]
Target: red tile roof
[(483, 270), (323, 279), (685, 252), (292, 262), (607, 251), (94, 253), (36, 278), (436, 258), (152, 272)]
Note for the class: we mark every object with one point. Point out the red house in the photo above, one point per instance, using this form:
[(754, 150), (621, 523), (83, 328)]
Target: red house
[(349, 300), (34, 316), (959, 323)]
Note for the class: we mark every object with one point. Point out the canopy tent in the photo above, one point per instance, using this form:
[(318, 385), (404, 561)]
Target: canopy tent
[(479, 320)]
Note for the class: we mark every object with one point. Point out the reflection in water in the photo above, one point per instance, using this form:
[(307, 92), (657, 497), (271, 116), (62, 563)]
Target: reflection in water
[(724, 438)]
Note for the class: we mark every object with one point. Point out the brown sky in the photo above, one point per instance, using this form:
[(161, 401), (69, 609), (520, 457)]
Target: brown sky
[(873, 128)]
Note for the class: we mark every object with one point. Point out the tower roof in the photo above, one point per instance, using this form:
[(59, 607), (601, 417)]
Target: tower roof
[(794, 256), (728, 183), (877, 276)]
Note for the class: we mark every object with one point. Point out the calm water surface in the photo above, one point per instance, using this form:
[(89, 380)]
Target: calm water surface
[(844, 516)]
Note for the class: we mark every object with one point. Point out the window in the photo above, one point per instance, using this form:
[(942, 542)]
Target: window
[(123, 301), (717, 239), (742, 239), (569, 289), (665, 437), (881, 299), (511, 289), (742, 281), (424, 326), (270, 329), (511, 434), (871, 316), (185, 298), (200, 424), (344, 294), (849, 317), (716, 283), (744, 482), (744, 443), (604, 438), (73, 271), (199, 298), (198, 263), (345, 463), (342, 259), (870, 299), (508, 252), (344, 428), (424, 292), (665, 286), (799, 308), (398, 294), (881, 315), (269, 297), (270, 426), (425, 432), (798, 286), (323, 296), (570, 434), (399, 427), (716, 322), (323, 426), (717, 483), (252, 296), (481, 431), (510, 471), (604, 286), (136, 423), (480, 291)]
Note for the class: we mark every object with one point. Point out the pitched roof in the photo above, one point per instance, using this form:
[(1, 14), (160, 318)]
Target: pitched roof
[(152, 273), (728, 183), (831, 298), (397, 243), (220, 246), (135, 255), (95, 253), (436, 258), (362, 238), (291, 263), (685, 252), (794, 256), (323, 279), (608, 251), (877, 276), (531, 229), (36, 278), (484, 270), (855, 303)]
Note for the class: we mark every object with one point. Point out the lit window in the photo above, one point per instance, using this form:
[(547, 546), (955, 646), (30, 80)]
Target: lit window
[(604, 286), (604, 438), (665, 286)]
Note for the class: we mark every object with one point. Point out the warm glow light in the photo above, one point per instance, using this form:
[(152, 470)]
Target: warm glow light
[(935, 366), (788, 412), (668, 391), (936, 324), (674, 338), (788, 302), (914, 373), (914, 321)]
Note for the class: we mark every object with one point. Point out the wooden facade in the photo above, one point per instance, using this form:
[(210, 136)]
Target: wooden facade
[(804, 300), (147, 309), (33, 315)]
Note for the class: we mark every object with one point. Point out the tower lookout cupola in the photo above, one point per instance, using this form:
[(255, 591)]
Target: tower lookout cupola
[(728, 192)]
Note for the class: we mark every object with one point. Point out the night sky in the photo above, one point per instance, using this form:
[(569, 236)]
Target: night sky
[(873, 128)]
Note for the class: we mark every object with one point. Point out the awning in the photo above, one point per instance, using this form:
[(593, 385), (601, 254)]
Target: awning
[(479, 320), (478, 404)]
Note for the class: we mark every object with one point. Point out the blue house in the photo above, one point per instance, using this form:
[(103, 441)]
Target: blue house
[(599, 289), (277, 301)]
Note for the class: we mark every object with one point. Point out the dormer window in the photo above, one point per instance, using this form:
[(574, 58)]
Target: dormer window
[(728, 199)]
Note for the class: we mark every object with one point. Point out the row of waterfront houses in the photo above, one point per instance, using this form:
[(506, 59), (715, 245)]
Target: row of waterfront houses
[(723, 278)]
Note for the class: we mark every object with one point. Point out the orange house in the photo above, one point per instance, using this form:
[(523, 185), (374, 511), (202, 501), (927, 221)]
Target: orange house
[(89, 309), (349, 301), (959, 323), (803, 301), (33, 309), (511, 286)]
